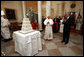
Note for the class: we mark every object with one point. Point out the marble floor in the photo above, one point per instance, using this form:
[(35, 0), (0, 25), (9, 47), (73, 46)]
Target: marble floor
[(51, 48)]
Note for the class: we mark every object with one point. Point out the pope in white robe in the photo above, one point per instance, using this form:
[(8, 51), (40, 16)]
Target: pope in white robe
[(5, 27), (48, 29)]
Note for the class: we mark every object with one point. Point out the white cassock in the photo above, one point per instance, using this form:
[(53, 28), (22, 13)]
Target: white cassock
[(48, 30), (5, 30)]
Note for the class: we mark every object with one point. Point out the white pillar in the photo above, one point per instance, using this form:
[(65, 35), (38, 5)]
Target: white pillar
[(48, 8), (23, 5), (39, 15)]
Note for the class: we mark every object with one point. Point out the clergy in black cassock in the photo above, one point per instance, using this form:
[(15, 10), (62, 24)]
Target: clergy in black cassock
[(55, 29), (59, 22), (43, 19), (67, 25)]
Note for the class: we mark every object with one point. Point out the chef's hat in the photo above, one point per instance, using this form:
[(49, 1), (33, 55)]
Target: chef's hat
[(2, 12)]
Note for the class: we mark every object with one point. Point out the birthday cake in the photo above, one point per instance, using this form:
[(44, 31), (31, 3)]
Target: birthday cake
[(26, 26)]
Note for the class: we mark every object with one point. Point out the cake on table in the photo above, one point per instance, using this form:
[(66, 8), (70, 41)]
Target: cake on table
[(26, 26)]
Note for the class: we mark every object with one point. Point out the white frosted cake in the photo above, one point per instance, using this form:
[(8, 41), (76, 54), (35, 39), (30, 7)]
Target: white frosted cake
[(26, 26)]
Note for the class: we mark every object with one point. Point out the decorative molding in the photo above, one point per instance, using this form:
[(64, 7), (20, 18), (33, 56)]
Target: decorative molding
[(73, 5)]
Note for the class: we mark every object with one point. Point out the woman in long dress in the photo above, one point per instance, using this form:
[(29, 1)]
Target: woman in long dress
[(78, 22), (61, 24)]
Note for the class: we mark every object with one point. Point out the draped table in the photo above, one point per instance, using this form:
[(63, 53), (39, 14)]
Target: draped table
[(27, 44)]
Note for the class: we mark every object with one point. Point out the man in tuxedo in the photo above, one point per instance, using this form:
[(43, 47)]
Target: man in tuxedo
[(66, 31)]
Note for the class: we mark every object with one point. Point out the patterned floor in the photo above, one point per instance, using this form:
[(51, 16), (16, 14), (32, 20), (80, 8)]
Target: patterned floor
[(51, 48)]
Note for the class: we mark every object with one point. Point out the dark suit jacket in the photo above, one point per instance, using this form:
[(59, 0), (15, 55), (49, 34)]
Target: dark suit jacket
[(67, 25), (56, 20), (43, 22)]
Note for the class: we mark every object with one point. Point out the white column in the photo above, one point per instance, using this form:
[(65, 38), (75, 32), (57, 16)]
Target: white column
[(23, 5), (39, 15), (48, 8)]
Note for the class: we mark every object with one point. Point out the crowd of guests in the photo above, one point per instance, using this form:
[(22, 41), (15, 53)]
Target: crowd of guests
[(54, 24), (66, 21), (57, 22), (78, 24)]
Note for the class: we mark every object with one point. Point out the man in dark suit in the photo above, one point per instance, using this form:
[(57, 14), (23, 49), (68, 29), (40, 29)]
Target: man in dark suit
[(66, 31)]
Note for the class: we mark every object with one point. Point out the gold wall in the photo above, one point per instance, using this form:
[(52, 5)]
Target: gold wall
[(58, 8), (17, 6)]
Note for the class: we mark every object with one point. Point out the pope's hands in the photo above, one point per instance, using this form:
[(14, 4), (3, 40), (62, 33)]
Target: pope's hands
[(47, 22), (6, 25)]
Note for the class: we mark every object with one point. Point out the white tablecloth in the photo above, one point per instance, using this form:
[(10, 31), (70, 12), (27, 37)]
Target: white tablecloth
[(27, 44)]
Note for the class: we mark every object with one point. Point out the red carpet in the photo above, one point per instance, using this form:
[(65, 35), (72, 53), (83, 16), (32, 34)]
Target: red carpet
[(73, 30), (76, 31)]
